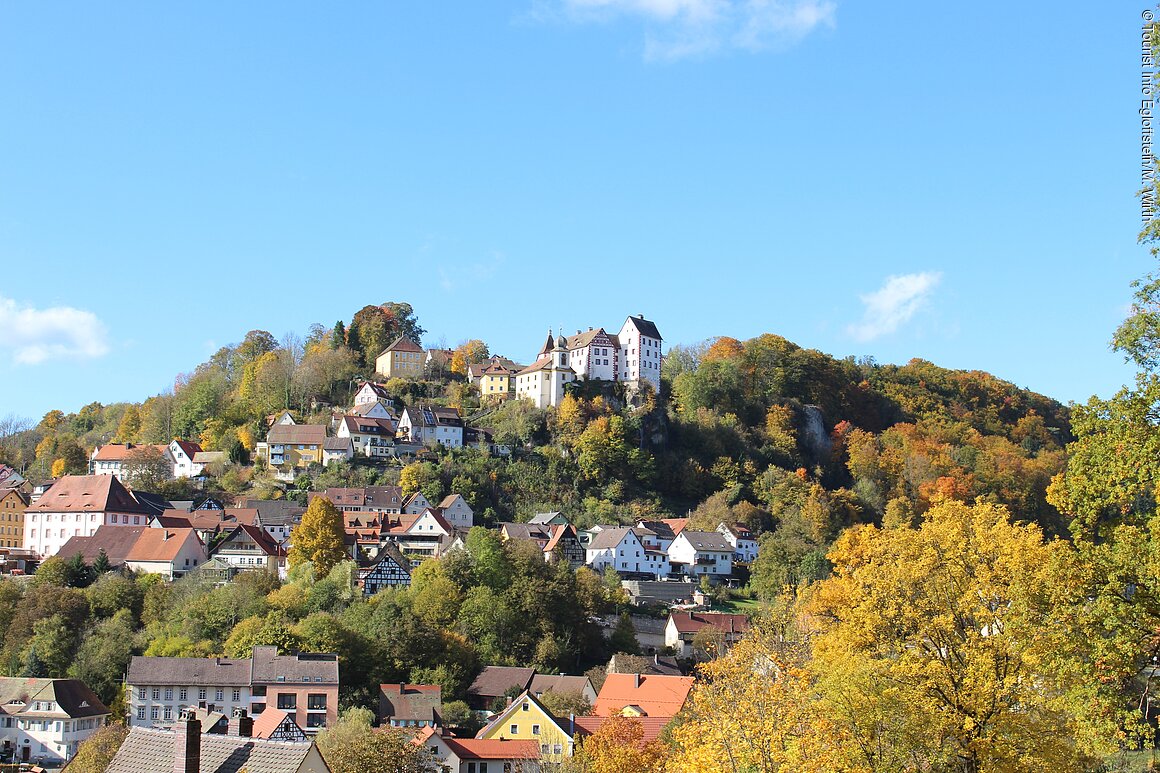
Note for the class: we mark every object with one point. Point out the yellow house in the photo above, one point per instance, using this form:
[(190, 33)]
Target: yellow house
[(12, 505), (403, 359), (498, 381), (526, 719), (295, 445)]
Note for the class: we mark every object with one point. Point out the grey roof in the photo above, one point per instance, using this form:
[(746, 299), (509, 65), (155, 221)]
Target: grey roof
[(269, 666), (276, 512), (609, 538), (72, 695), (338, 444), (707, 540), (494, 681), (544, 518), (645, 327), (146, 750), (211, 672), (304, 434), (661, 529), (558, 683), (415, 702)]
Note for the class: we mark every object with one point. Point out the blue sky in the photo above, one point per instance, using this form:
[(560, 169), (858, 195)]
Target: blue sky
[(953, 182)]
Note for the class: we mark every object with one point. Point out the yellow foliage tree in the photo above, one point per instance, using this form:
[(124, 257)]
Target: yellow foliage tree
[(753, 711), (938, 644), (319, 537), (58, 467), (618, 746)]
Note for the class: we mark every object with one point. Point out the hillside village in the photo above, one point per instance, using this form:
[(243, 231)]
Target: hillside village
[(592, 559)]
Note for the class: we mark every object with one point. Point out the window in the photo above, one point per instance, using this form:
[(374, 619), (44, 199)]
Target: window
[(141, 712), (316, 702), (141, 692), (514, 729), (557, 749), (201, 693), (287, 700), (169, 712), (544, 748), (259, 690), (156, 693), (535, 729), (525, 706), (168, 693), (237, 694), (183, 694), (316, 720), (154, 713)]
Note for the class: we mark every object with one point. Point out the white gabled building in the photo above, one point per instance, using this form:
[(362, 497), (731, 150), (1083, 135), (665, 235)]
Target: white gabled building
[(699, 553), (369, 393), (641, 351), (743, 542), (456, 511), (42, 721), (543, 381), (431, 424), (594, 355), (371, 437), (76, 506), (622, 549)]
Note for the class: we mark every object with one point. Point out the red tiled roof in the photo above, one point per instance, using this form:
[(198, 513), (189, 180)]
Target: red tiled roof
[(189, 447), (117, 452), (297, 434), (88, 494), (160, 544), (493, 749), (691, 622), (268, 721), (657, 696)]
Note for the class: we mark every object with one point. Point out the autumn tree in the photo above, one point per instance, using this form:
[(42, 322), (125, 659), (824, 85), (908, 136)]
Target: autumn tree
[(94, 754), (940, 646), (319, 538), (146, 468), (351, 745), (618, 745)]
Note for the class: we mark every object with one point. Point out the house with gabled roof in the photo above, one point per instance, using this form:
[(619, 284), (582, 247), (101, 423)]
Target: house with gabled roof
[(544, 381), (622, 549), (526, 719), (496, 681), (76, 506), (382, 499), (641, 352), (432, 424), (111, 458), (548, 519), (743, 541), (410, 705), (277, 725), (415, 503), (594, 354), (388, 569), (562, 683), (683, 627), (642, 695), (337, 449), (701, 553), (371, 437), (421, 536), (251, 548), (456, 511), (475, 755), (402, 359), (372, 393), (292, 446), (13, 503), (43, 721)]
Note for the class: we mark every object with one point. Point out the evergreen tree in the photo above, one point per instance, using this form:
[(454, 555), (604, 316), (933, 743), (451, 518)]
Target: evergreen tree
[(624, 636), (34, 667), (101, 564), (338, 336)]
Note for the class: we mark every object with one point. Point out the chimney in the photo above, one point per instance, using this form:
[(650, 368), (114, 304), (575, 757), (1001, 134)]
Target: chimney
[(636, 681), (187, 744), (241, 724)]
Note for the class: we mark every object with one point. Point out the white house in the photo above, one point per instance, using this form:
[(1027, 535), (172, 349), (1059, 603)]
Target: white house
[(370, 393), (372, 437), (431, 424), (594, 355), (682, 628), (43, 721), (337, 449), (699, 553), (182, 453), (169, 552), (641, 352), (110, 459), (251, 547), (457, 512), (76, 506), (543, 381), (415, 504), (743, 542), (622, 549), (422, 536)]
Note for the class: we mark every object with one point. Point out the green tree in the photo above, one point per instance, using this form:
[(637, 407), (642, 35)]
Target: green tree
[(319, 538), (351, 745), (623, 637)]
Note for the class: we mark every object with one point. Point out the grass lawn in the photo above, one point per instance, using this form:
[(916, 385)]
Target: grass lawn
[(738, 607)]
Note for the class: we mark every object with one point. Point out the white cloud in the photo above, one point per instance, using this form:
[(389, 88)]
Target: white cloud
[(35, 335), (678, 29), (893, 304)]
